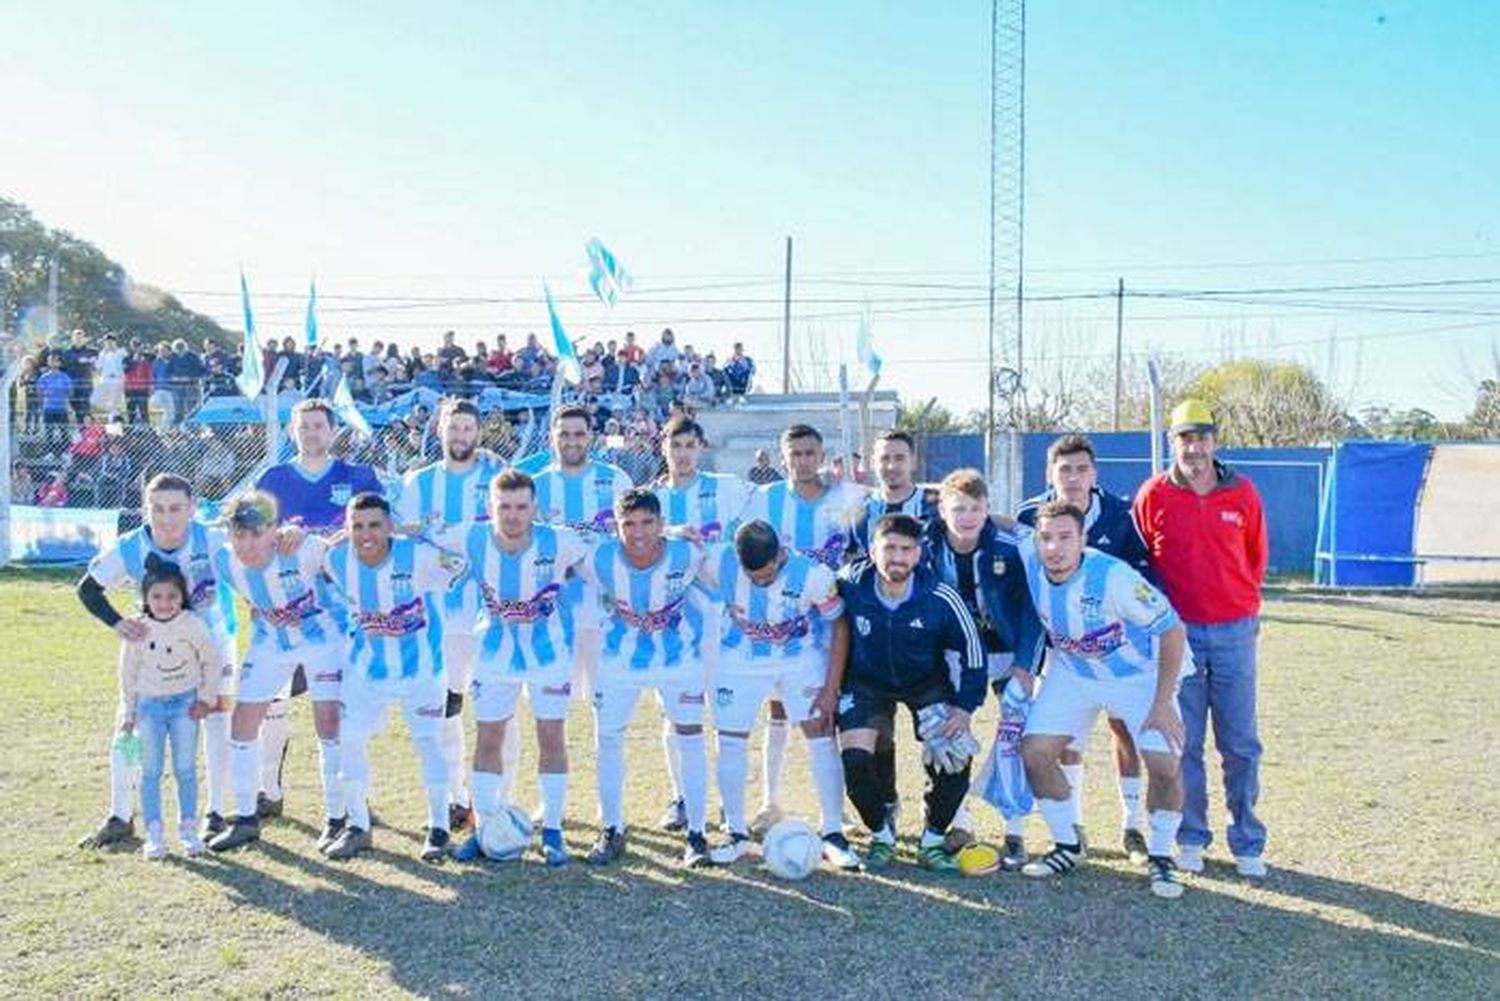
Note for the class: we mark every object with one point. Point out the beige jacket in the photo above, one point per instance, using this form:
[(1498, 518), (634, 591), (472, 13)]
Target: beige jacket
[(175, 656)]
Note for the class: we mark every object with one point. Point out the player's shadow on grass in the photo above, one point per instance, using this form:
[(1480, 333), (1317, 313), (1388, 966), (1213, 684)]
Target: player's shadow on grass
[(630, 931), (1299, 620), (1377, 606)]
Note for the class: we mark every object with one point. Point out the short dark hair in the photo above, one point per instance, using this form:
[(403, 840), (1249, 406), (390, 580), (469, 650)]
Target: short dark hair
[(756, 544), (896, 434), (570, 411), (1060, 509), (513, 479), (164, 571), (312, 404), (898, 524), (452, 405), (637, 499), (369, 500), (795, 431), (683, 424), (169, 481), (1070, 444)]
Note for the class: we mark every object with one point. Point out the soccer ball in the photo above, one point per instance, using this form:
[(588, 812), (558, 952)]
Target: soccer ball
[(792, 849), (978, 859), (506, 834)]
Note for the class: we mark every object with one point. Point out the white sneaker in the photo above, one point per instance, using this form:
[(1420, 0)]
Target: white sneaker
[(192, 845), (156, 845), (1190, 858), (731, 851), (768, 817), (1250, 866)]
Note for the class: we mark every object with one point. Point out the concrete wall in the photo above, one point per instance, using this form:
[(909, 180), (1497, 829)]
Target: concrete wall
[(735, 432)]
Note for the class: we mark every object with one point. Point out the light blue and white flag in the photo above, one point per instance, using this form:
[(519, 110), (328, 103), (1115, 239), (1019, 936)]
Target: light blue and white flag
[(568, 365), (312, 314), (865, 347), (606, 277), (343, 405), (252, 377)]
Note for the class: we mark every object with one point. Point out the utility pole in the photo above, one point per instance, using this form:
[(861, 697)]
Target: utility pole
[(786, 324), (1119, 344)]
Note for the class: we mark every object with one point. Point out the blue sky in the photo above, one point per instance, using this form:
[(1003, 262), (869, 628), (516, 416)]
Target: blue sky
[(468, 150)]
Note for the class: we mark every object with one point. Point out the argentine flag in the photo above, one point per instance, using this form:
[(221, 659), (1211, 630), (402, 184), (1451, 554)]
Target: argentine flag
[(252, 377), (606, 277), (865, 347), (312, 314), (343, 405), (568, 365)]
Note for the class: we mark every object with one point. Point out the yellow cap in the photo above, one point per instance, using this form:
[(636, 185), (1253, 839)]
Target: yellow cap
[(1192, 415)]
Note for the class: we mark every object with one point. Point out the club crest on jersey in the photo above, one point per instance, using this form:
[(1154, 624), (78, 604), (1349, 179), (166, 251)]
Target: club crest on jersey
[(1232, 517), (1145, 594), (340, 493), (997, 566), (862, 624), (723, 697)]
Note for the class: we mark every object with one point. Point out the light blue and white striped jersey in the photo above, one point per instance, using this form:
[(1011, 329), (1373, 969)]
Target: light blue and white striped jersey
[(1104, 620), (584, 502), (397, 631), (710, 502), (286, 607), (651, 628), (525, 614), (778, 626), (822, 528), (125, 562), (432, 498)]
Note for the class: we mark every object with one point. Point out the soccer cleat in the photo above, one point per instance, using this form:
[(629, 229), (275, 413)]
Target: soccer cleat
[(241, 832), (1190, 858), (609, 847), (936, 858), (554, 852), (350, 842), (1013, 855), (460, 817), (1135, 846), (156, 844), (731, 851), (192, 845), (111, 832), (213, 824), (1250, 866), (437, 844), (1083, 840), (768, 817), (957, 839), (1163, 872), (882, 848), (695, 854), (266, 807), (332, 828), (1060, 861), (838, 853), (674, 817)]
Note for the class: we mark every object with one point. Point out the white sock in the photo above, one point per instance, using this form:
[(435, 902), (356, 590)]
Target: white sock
[(733, 769), (1162, 838), (354, 771), (773, 760), (434, 780), (962, 819), (244, 762), (554, 798), (1132, 805), (216, 759), (1015, 827), (510, 760), (452, 740), (1074, 775), (931, 838), (487, 802), (275, 731), (333, 790), (694, 751), (1059, 817), (828, 779), (673, 756), (123, 780), (611, 753)]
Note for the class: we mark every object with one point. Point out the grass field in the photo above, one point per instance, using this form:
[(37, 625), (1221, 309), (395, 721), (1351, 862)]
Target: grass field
[(1381, 789)]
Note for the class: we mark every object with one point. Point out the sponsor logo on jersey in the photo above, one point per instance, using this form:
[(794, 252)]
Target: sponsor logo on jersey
[(862, 624), (538, 606), (916, 624), (785, 631), (292, 614), (1094, 643), (654, 620), (1233, 517), (1146, 594), (403, 620), (690, 699)]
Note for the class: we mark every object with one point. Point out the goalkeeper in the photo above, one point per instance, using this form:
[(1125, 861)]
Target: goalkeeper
[(905, 629)]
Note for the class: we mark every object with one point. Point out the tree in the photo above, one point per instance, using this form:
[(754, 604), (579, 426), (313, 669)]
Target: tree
[(1264, 403), (1095, 401), (933, 418)]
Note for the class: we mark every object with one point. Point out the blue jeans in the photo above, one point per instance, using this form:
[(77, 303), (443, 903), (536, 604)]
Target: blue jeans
[(1222, 689), (158, 720)]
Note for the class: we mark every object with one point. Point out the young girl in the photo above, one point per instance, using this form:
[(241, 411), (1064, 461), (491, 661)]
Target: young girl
[(168, 682)]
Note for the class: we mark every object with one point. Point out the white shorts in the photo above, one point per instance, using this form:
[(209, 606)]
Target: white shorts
[(738, 694), (1068, 703), (267, 672), (614, 705), (229, 655), (459, 649), (496, 700), (613, 672), (424, 701)]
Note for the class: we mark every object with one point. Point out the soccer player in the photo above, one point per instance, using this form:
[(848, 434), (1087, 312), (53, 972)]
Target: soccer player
[(311, 490), (778, 610), (292, 630), (572, 489), (702, 507), (526, 639), (898, 493), (1073, 476), (1206, 530), (1117, 645), (903, 627), (973, 556), (393, 584), (172, 533), (651, 636), (815, 517), (454, 492)]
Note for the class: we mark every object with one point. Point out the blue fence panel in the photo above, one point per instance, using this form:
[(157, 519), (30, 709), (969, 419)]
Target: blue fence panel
[(1369, 509)]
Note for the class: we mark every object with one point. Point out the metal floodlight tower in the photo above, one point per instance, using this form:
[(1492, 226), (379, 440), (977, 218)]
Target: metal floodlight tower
[(1007, 227)]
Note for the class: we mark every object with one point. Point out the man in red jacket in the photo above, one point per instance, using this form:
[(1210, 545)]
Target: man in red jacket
[(1205, 530)]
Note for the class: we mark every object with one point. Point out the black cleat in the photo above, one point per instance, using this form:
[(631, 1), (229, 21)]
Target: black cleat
[(331, 831), (435, 848), (266, 808), (112, 832), (350, 842), (696, 854), (674, 817), (609, 847), (1013, 855), (243, 831), (1135, 846), (213, 825)]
